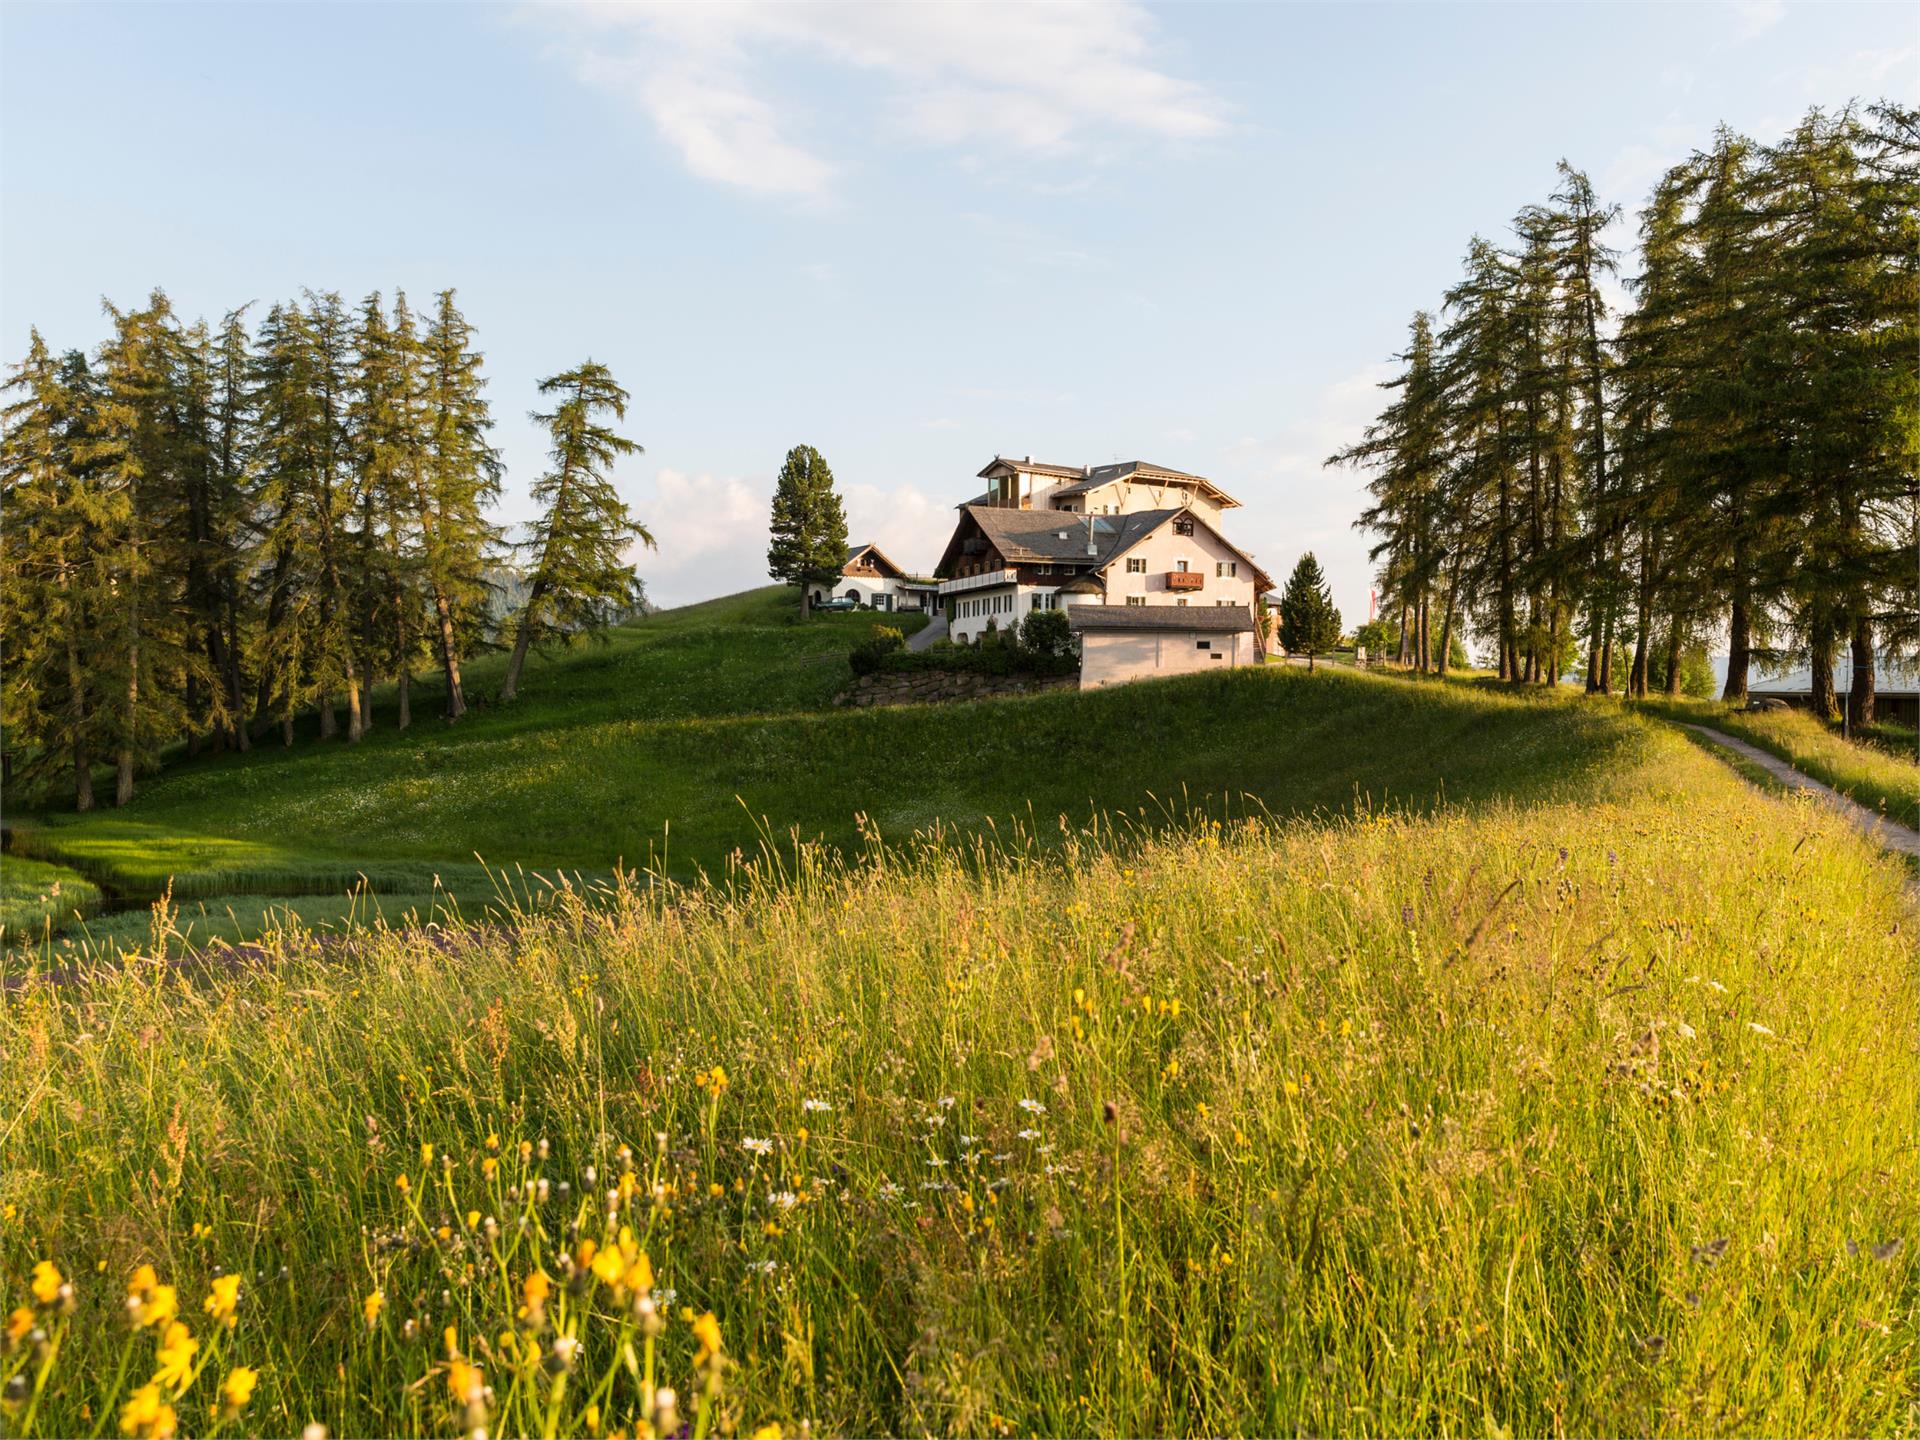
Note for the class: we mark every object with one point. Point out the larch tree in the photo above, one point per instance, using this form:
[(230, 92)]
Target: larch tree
[(808, 543), (456, 483), (581, 580)]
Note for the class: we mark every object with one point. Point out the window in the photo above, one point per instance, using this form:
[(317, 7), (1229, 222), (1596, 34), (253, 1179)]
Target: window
[(1136, 599), (1043, 569), (1181, 566), (1136, 564), (1180, 602), (1223, 602), (1203, 645), (1226, 568), (1183, 527)]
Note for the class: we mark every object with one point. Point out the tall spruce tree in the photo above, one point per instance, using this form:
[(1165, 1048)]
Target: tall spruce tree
[(581, 579), (808, 543), (1309, 624)]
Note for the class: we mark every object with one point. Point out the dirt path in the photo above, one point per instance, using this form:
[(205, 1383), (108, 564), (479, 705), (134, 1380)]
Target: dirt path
[(1890, 833)]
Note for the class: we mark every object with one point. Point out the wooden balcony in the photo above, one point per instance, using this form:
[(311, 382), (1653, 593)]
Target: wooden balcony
[(1185, 580)]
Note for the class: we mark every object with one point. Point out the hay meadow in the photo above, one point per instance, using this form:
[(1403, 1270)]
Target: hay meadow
[(1585, 1106)]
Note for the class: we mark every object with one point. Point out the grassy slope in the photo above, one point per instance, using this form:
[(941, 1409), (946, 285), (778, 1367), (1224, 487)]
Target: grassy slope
[(1872, 774), (36, 896), (696, 724), (1417, 1123)]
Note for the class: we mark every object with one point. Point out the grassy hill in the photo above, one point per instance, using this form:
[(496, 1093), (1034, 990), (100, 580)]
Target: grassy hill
[(1575, 1109), (697, 733)]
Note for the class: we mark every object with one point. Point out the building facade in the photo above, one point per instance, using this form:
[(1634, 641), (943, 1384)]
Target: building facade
[(1048, 536)]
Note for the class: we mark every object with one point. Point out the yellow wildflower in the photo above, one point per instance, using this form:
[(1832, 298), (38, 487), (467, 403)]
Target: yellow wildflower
[(19, 1325), (237, 1389), (473, 1219), (140, 1284), (535, 1289), (175, 1360), (639, 1276), (592, 1418), (493, 1141), (47, 1281), (769, 1431), (161, 1305), (402, 1184), (464, 1380), (1290, 1087), (147, 1415), (426, 1153), (372, 1305), (608, 1266), (224, 1300), (488, 1166), (706, 1330)]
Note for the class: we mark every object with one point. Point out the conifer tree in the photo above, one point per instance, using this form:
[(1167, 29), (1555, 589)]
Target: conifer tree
[(1309, 624), (581, 580), (458, 479), (52, 599), (808, 541)]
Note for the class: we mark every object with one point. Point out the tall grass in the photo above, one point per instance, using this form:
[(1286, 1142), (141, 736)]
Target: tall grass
[(1878, 777), (38, 898), (1582, 1116)]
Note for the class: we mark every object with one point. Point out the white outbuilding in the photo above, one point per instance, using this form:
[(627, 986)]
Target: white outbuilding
[(1119, 643)]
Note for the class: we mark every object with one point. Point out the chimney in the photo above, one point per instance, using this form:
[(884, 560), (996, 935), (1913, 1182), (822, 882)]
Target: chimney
[(1029, 459)]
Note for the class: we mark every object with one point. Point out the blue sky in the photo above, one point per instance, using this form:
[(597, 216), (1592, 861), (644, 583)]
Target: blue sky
[(912, 236)]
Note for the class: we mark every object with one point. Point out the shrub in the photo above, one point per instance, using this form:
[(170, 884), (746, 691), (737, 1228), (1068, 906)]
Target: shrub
[(881, 641), (1044, 635)]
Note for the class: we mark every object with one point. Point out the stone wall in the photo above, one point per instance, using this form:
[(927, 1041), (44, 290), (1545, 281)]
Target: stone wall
[(932, 687)]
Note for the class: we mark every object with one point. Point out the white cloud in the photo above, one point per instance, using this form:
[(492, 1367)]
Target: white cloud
[(1756, 17), (1046, 78), (711, 534)]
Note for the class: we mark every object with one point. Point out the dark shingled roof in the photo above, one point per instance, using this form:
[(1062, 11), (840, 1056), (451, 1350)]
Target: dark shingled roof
[(1042, 535), (1214, 619), (1033, 467)]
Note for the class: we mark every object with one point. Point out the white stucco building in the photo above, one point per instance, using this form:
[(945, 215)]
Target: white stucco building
[(1143, 642), (1053, 536)]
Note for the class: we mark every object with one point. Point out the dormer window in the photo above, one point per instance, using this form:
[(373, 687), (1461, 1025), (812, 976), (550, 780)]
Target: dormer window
[(1183, 526)]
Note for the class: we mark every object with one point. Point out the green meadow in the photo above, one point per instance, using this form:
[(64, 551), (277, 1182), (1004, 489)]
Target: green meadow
[(1568, 1103), (694, 735)]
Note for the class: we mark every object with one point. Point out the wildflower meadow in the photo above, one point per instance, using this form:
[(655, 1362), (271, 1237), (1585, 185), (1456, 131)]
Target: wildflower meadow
[(1590, 1114)]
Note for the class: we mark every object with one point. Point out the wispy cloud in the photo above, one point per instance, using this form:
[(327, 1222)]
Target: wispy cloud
[(1043, 78)]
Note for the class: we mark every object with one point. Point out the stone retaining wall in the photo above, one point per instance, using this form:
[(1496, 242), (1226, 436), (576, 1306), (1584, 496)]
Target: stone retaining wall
[(933, 687)]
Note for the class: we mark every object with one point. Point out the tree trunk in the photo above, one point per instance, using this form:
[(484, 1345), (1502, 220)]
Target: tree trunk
[(286, 731), (404, 684), (449, 655), (1446, 619), (123, 769), (1739, 651), (510, 686), (1860, 696), (354, 728), (77, 723), (1673, 656), (1822, 642), (329, 722)]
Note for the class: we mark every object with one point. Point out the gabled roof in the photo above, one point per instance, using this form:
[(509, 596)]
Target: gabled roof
[(1211, 619), (1144, 472), (1045, 536), (1033, 467), (854, 552)]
